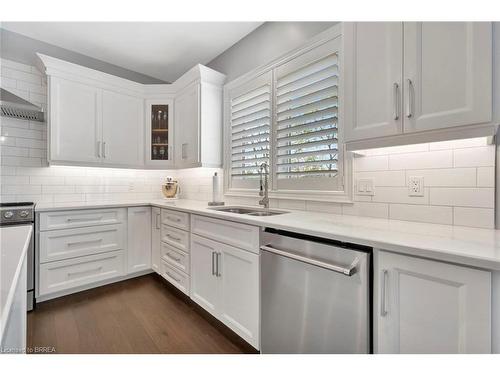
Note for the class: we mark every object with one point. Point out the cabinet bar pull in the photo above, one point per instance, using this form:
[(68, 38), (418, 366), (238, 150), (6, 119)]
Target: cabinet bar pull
[(217, 263), (409, 98), (98, 149), (383, 308), (69, 219), (104, 150), (173, 258), (83, 242), (84, 271), (396, 100), (213, 263), (176, 219), (157, 221), (169, 275), (172, 237)]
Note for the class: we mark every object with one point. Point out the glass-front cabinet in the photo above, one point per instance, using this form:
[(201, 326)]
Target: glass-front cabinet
[(159, 133)]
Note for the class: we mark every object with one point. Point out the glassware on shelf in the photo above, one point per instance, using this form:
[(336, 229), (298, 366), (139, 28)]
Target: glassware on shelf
[(162, 152)]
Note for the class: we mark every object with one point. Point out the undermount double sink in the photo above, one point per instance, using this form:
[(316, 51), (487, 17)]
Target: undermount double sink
[(248, 211)]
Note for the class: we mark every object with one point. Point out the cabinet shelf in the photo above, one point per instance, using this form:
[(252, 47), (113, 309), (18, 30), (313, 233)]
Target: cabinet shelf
[(159, 144), (159, 130)]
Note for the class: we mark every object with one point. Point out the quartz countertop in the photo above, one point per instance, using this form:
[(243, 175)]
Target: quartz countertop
[(14, 242), (462, 245)]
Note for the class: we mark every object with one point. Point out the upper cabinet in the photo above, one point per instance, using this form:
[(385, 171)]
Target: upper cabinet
[(407, 78), (102, 120)]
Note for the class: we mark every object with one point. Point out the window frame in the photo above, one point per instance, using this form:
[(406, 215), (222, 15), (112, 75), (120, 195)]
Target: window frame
[(345, 158)]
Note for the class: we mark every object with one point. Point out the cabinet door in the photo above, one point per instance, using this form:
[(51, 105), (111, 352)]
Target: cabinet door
[(159, 133), (239, 295), (204, 281), (448, 74), (372, 68), (74, 122), (425, 306), (155, 238), (187, 127), (123, 129), (139, 239)]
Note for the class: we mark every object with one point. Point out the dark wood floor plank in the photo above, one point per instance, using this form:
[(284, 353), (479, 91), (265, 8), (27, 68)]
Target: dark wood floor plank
[(141, 315)]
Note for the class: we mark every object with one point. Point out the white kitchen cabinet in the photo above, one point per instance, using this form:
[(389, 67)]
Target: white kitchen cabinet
[(225, 282), (122, 129), (448, 74), (75, 117), (425, 306), (159, 133), (198, 119), (139, 239), (430, 78), (155, 238), (373, 63)]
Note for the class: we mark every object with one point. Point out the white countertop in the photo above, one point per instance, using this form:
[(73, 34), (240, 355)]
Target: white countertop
[(463, 245), (14, 242)]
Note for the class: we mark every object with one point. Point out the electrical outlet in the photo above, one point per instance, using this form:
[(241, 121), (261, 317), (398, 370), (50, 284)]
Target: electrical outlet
[(415, 186), (364, 186)]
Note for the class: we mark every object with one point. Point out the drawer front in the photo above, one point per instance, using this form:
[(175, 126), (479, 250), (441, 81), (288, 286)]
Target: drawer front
[(72, 243), (175, 218), (71, 273), (175, 257), (240, 235), (177, 278), (81, 218), (175, 237)]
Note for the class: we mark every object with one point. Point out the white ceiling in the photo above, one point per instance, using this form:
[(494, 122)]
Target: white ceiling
[(163, 50)]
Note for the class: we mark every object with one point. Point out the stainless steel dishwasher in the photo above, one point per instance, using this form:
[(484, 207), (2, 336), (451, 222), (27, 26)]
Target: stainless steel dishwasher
[(315, 295)]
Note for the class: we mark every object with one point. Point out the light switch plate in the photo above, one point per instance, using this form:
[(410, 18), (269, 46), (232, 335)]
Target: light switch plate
[(415, 186), (365, 186)]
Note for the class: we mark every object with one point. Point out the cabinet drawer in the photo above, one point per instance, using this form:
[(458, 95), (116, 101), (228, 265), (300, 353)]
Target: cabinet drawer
[(175, 218), (175, 257), (240, 235), (81, 218), (177, 278), (71, 273), (71, 243), (175, 237)]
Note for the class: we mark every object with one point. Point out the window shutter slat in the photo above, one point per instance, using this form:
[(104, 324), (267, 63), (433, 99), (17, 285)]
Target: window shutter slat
[(250, 129), (306, 115)]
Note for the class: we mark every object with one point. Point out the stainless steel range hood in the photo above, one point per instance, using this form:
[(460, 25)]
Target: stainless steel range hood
[(13, 106)]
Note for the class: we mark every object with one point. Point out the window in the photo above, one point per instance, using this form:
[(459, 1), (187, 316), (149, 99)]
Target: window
[(288, 116)]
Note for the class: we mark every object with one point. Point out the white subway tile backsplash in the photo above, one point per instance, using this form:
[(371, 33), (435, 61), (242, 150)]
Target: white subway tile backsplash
[(451, 177), (474, 157), (383, 178), (398, 195), (424, 160), (371, 163), (463, 197), (47, 180), (426, 214), (332, 208), (458, 143), (15, 65), (370, 209), (486, 177), (474, 217), (21, 189), (291, 204), (58, 189)]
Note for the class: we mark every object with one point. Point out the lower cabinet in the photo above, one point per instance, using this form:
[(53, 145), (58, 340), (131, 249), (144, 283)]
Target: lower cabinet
[(424, 306), (225, 282), (139, 239), (155, 238)]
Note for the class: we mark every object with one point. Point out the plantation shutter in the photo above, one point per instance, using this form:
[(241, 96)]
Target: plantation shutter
[(306, 150), (250, 127)]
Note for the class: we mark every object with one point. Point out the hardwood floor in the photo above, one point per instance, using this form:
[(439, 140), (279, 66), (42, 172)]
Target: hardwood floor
[(141, 315)]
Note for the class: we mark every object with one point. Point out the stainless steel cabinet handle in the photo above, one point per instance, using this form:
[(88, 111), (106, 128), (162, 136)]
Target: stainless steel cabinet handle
[(173, 237), (176, 219), (104, 150), (383, 308), (69, 219), (348, 271), (173, 258), (217, 264), (169, 275), (409, 98), (84, 242), (157, 221), (396, 100), (213, 263), (85, 271), (98, 149)]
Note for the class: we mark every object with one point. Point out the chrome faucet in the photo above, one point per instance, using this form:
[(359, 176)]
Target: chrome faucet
[(264, 187)]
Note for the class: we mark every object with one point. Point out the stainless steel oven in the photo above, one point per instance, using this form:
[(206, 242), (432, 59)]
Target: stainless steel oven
[(23, 213), (315, 295)]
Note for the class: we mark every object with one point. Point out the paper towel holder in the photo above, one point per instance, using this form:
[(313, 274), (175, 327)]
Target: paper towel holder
[(215, 196)]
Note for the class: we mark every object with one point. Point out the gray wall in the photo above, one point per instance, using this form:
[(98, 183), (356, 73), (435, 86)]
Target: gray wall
[(22, 49), (264, 44)]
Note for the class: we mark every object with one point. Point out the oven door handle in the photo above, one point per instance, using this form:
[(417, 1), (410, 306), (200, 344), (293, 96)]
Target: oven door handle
[(348, 271)]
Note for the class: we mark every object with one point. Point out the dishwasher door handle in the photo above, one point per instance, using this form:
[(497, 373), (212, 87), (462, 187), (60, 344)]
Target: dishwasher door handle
[(348, 271)]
